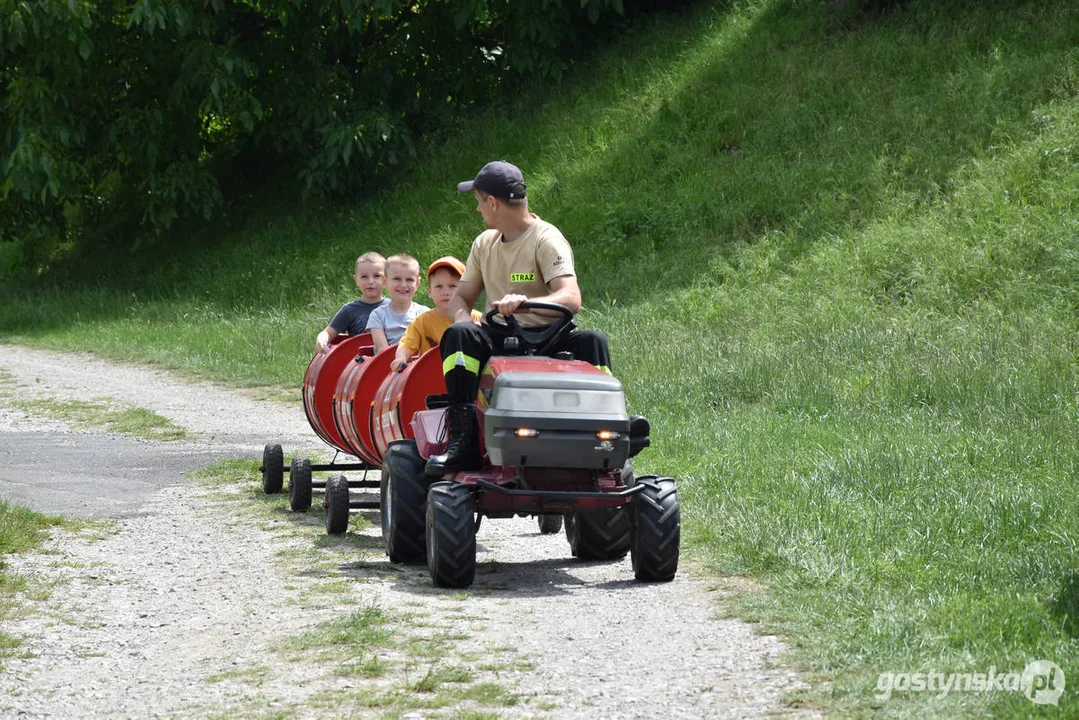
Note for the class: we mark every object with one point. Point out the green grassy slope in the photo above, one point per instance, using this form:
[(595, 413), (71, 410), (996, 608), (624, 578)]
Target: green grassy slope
[(838, 261)]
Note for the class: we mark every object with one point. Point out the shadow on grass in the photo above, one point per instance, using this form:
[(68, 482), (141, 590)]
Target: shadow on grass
[(1065, 606), (798, 132)]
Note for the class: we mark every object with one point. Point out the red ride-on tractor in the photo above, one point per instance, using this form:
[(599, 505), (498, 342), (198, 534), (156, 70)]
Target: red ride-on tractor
[(557, 441)]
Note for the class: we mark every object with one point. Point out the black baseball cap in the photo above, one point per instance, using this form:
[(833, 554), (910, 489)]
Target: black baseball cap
[(499, 178)]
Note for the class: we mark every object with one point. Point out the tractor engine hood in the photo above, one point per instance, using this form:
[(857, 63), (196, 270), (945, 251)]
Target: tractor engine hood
[(557, 419)]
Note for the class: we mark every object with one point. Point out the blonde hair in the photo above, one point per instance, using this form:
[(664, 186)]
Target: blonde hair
[(403, 259), (370, 257)]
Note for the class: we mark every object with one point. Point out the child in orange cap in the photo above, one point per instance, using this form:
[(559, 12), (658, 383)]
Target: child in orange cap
[(425, 331)]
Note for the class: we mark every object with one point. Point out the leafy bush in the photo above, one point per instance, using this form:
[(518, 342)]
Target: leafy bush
[(125, 116)]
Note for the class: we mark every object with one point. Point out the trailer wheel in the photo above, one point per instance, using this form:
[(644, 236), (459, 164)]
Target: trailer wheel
[(451, 535), (273, 469), (299, 484), (656, 530), (549, 524), (598, 534), (335, 505), (403, 502)]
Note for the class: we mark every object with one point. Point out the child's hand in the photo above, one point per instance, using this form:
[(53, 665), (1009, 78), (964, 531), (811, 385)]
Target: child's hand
[(322, 341), (466, 316), (398, 365)]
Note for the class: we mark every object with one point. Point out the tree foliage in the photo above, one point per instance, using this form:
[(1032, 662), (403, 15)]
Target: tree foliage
[(128, 115)]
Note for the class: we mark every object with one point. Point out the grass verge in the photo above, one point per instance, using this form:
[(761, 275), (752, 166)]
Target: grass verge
[(90, 414), (21, 529), (122, 418)]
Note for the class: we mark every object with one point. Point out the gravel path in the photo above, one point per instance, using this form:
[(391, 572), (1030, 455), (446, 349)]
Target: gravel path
[(183, 609)]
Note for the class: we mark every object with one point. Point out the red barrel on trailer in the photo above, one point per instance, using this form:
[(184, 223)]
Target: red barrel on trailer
[(320, 384), (403, 394), (353, 403)]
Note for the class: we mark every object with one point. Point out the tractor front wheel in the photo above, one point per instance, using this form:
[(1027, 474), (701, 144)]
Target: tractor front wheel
[(403, 502), (299, 484), (656, 530), (336, 505), (451, 535), (598, 534), (273, 469)]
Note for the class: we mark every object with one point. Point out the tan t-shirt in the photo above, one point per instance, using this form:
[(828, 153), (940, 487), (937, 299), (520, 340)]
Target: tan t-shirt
[(524, 266)]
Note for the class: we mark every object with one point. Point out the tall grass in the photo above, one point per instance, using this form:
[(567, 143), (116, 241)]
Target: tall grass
[(837, 258)]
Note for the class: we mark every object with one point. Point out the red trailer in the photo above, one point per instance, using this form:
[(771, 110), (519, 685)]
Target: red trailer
[(347, 359), (355, 405)]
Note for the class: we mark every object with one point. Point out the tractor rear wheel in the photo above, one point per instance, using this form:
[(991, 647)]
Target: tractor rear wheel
[(335, 505), (273, 469), (549, 524), (451, 535), (656, 530), (598, 534), (403, 502), (299, 484)]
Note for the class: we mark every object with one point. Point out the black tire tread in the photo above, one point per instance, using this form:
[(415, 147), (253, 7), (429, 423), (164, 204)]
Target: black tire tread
[(403, 528), (336, 505), (549, 524), (599, 534), (451, 535), (299, 484), (273, 469), (656, 531)]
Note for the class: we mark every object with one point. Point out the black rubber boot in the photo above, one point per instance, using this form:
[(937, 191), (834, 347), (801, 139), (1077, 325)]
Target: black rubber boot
[(463, 450)]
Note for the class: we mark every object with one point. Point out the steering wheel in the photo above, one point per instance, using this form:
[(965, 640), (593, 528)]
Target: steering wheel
[(536, 340)]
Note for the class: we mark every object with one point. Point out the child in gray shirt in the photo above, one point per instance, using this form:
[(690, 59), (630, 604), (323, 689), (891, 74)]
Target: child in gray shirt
[(388, 323)]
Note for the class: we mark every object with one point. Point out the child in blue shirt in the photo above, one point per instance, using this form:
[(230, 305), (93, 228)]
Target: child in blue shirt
[(351, 319)]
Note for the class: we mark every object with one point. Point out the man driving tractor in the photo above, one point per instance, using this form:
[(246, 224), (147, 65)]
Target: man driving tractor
[(518, 258)]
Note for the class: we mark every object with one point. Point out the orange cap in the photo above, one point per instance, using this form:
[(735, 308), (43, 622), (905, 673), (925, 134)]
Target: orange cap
[(449, 262)]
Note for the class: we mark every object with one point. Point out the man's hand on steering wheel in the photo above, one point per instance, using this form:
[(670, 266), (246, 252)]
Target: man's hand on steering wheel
[(509, 304)]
